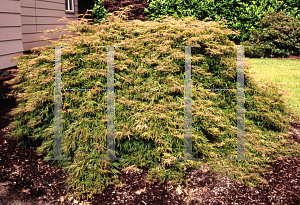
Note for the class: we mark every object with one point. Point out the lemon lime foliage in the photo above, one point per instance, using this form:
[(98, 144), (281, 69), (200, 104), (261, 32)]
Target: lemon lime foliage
[(149, 103)]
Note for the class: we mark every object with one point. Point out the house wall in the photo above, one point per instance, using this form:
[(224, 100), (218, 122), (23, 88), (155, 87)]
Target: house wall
[(10, 32), (41, 15), (21, 22)]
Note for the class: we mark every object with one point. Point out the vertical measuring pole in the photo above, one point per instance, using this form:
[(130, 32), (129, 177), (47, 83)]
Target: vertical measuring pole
[(188, 119), (240, 104), (58, 108), (110, 105)]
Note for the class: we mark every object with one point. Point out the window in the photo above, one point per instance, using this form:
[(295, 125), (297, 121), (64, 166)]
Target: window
[(69, 4)]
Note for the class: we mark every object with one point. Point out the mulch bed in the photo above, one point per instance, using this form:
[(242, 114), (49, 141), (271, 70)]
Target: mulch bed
[(26, 179), (283, 186)]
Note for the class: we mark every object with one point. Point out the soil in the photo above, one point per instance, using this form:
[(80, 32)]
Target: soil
[(26, 179)]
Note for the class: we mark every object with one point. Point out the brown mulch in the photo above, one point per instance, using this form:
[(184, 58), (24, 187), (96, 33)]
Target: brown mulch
[(283, 186), (26, 179)]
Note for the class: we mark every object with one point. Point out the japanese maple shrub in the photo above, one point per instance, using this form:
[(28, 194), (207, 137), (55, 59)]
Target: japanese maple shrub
[(278, 35)]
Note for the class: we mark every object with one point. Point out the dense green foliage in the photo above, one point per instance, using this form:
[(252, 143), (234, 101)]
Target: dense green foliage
[(278, 35), (149, 103), (99, 12), (242, 15)]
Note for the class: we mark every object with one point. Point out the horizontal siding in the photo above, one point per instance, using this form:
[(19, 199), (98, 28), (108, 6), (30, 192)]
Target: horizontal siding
[(29, 43), (47, 12), (10, 33), (48, 27), (49, 20), (27, 3), (31, 37), (42, 15), (28, 28), (28, 20), (22, 19), (71, 17), (10, 30), (57, 1), (8, 47), (6, 60), (10, 7), (50, 5), (8, 19), (28, 11)]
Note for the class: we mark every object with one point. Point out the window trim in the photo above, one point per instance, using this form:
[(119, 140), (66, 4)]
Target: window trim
[(68, 6)]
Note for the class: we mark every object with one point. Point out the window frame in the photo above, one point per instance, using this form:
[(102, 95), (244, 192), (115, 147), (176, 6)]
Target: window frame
[(68, 4)]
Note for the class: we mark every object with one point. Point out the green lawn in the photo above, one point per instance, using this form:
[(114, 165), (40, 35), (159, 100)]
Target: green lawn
[(284, 72)]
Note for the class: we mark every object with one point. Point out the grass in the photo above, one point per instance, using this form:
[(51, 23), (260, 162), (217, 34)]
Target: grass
[(149, 104), (285, 73)]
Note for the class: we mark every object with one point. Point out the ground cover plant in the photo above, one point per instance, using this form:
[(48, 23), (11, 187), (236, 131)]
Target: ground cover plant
[(149, 103)]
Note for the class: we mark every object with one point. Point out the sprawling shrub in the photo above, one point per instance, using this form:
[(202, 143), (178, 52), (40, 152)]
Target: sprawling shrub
[(149, 103), (278, 35)]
